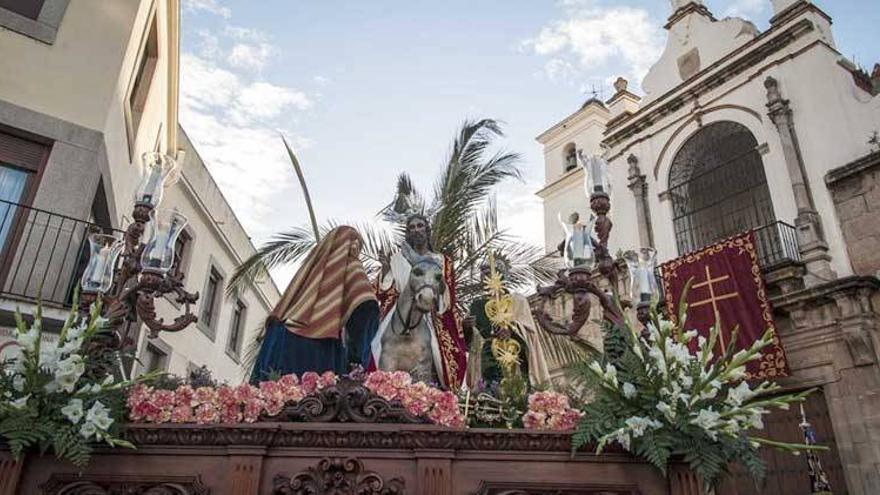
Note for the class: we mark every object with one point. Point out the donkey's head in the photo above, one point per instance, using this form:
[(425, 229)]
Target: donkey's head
[(426, 284)]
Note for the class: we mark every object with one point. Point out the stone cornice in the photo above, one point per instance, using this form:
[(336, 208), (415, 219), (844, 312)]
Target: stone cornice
[(757, 50), (827, 291), (593, 107), (795, 10), (568, 179), (690, 8), (856, 167)]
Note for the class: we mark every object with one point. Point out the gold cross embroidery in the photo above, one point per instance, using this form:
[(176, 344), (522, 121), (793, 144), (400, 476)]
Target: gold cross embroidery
[(713, 298)]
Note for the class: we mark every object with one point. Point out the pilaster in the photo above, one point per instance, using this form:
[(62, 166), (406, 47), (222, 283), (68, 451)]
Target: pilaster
[(638, 184), (811, 237)]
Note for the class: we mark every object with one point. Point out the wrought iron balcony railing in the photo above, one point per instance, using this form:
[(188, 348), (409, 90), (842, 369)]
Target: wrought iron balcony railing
[(42, 254), (777, 243)]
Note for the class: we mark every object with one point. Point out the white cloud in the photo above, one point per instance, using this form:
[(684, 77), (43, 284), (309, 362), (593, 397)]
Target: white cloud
[(749, 9), (250, 56), (234, 116), (210, 6), (591, 37)]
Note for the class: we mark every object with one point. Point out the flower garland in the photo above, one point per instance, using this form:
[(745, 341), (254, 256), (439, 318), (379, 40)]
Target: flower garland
[(418, 398), (246, 403), (550, 411)]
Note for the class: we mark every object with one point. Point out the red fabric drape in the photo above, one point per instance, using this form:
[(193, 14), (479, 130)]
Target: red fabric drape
[(726, 278)]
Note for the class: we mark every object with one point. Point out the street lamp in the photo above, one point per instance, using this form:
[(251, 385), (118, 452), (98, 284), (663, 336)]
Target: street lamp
[(129, 290)]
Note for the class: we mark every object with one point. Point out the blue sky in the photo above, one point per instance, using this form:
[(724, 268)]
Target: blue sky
[(367, 89)]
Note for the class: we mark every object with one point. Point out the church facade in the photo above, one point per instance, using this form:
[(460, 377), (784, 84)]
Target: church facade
[(774, 132)]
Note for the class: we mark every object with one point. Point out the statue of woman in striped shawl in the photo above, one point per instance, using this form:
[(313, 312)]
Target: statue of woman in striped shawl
[(326, 318)]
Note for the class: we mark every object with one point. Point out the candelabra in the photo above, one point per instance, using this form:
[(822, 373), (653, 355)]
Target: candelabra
[(130, 286), (579, 281)]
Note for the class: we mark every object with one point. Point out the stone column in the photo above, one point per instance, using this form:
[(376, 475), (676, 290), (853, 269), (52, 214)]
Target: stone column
[(811, 238), (638, 184)]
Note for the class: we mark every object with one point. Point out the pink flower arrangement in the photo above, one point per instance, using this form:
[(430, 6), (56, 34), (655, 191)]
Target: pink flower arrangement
[(245, 402), (550, 411), (418, 398)]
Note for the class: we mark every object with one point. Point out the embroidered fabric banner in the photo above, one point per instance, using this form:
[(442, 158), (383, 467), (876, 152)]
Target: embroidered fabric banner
[(726, 279)]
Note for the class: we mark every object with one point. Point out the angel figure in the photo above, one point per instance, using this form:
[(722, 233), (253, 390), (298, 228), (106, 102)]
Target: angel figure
[(577, 247)]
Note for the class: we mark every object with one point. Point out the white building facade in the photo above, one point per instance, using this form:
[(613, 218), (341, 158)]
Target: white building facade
[(768, 131), (79, 105)]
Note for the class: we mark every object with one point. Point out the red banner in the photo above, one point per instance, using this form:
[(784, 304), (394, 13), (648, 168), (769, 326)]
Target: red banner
[(726, 279)]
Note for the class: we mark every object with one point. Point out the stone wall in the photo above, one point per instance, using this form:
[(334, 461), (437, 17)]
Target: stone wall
[(855, 188)]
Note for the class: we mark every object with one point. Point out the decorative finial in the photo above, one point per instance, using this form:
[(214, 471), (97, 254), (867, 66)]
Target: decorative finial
[(620, 85)]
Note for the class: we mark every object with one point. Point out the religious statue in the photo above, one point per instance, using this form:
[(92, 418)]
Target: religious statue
[(326, 318), (577, 247), (416, 293), (494, 320)]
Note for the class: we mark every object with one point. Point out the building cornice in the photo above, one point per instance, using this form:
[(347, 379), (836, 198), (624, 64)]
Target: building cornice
[(570, 178), (851, 169), (756, 50), (795, 10), (592, 108), (690, 8)]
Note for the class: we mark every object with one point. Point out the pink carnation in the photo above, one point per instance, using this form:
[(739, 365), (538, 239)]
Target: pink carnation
[(327, 379), (184, 396), (310, 382), (182, 414), (206, 413)]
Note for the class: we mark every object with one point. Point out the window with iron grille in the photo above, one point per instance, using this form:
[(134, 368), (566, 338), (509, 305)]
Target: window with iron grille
[(718, 187)]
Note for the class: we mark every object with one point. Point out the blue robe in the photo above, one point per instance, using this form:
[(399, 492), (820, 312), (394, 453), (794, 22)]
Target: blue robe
[(283, 352)]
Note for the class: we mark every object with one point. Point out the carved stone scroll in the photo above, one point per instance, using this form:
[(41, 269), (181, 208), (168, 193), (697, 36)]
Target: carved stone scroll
[(348, 402)]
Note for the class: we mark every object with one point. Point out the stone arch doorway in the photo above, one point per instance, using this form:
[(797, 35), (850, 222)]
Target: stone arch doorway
[(717, 186)]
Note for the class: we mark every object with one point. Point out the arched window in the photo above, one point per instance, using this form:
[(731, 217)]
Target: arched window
[(569, 156), (718, 187)]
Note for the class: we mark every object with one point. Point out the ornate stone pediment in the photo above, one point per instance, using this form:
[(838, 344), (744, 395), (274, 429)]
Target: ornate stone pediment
[(336, 476)]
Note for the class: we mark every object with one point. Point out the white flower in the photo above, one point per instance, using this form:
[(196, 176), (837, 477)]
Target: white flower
[(71, 346), (107, 381), (28, 340), (629, 390), (737, 373), (708, 420), (756, 419), (49, 357), (638, 425), (88, 430), (18, 383), (20, 402), (689, 335), (73, 411), (68, 372), (739, 394), (611, 373), (686, 381), (623, 438), (596, 368), (666, 409), (99, 415)]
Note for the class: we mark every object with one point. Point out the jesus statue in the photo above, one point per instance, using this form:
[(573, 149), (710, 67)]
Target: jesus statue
[(447, 341)]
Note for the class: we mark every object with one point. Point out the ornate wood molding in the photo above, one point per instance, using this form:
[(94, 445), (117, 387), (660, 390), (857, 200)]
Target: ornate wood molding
[(336, 476), (505, 488), (336, 436), (72, 484), (348, 402)]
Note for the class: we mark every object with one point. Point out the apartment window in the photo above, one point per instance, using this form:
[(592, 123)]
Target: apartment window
[(28, 8), (21, 164), (236, 331), (141, 81), (37, 19), (181, 254), (155, 358), (210, 304)]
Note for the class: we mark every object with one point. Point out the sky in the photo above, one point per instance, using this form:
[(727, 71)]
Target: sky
[(367, 89)]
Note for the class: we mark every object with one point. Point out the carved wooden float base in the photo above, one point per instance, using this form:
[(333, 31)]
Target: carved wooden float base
[(318, 458)]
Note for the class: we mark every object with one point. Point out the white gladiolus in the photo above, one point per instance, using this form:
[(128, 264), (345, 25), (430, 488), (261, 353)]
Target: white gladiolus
[(739, 394), (73, 411), (629, 390), (638, 425), (18, 383), (99, 415), (28, 340), (666, 409), (88, 430), (708, 420)]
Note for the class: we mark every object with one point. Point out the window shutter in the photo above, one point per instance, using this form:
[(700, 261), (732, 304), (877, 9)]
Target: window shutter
[(23, 153)]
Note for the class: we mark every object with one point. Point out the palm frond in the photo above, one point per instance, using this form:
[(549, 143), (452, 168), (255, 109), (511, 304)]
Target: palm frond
[(467, 181), (407, 201)]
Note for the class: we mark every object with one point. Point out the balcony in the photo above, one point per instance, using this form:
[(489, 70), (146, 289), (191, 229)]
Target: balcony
[(777, 245), (43, 254)]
